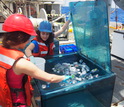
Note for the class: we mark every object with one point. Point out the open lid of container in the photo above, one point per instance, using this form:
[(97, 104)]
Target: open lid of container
[(91, 31)]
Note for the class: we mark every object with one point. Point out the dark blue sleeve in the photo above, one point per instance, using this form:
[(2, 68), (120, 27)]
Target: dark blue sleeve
[(36, 48)]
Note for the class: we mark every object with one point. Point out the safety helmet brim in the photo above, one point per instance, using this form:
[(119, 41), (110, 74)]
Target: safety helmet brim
[(45, 30), (14, 28)]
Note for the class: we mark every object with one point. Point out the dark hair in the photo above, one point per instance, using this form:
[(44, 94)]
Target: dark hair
[(48, 41), (14, 38)]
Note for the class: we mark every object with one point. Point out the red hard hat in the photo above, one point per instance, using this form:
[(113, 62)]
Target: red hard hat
[(19, 22)]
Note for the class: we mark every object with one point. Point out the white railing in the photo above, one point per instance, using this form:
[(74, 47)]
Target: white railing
[(4, 10)]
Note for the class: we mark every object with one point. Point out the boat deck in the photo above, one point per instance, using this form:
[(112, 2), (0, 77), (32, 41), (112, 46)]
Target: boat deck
[(118, 94), (117, 65)]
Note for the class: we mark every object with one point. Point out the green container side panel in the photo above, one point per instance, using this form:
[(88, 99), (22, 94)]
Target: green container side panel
[(91, 31)]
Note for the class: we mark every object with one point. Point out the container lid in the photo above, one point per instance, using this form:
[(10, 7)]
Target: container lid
[(91, 31)]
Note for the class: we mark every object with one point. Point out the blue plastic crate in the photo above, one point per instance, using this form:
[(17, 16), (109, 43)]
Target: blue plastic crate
[(72, 46), (68, 48)]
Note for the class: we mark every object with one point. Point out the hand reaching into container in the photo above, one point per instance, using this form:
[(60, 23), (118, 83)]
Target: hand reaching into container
[(66, 78)]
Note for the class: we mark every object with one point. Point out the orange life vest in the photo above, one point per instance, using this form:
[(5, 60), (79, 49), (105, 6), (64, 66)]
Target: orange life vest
[(43, 49), (7, 59)]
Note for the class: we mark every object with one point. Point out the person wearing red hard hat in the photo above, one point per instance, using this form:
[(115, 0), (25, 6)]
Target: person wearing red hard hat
[(43, 44), (19, 22), (15, 70)]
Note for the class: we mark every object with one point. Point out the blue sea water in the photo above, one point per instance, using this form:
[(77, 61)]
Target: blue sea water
[(65, 10), (119, 13)]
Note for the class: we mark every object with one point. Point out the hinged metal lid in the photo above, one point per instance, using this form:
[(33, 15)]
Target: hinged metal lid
[(91, 31)]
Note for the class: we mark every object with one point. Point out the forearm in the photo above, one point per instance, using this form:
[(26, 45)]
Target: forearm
[(28, 52), (44, 76), (52, 78), (22, 66), (56, 78), (64, 27)]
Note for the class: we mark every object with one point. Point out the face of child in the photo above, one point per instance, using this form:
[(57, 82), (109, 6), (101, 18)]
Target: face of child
[(44, 35)]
